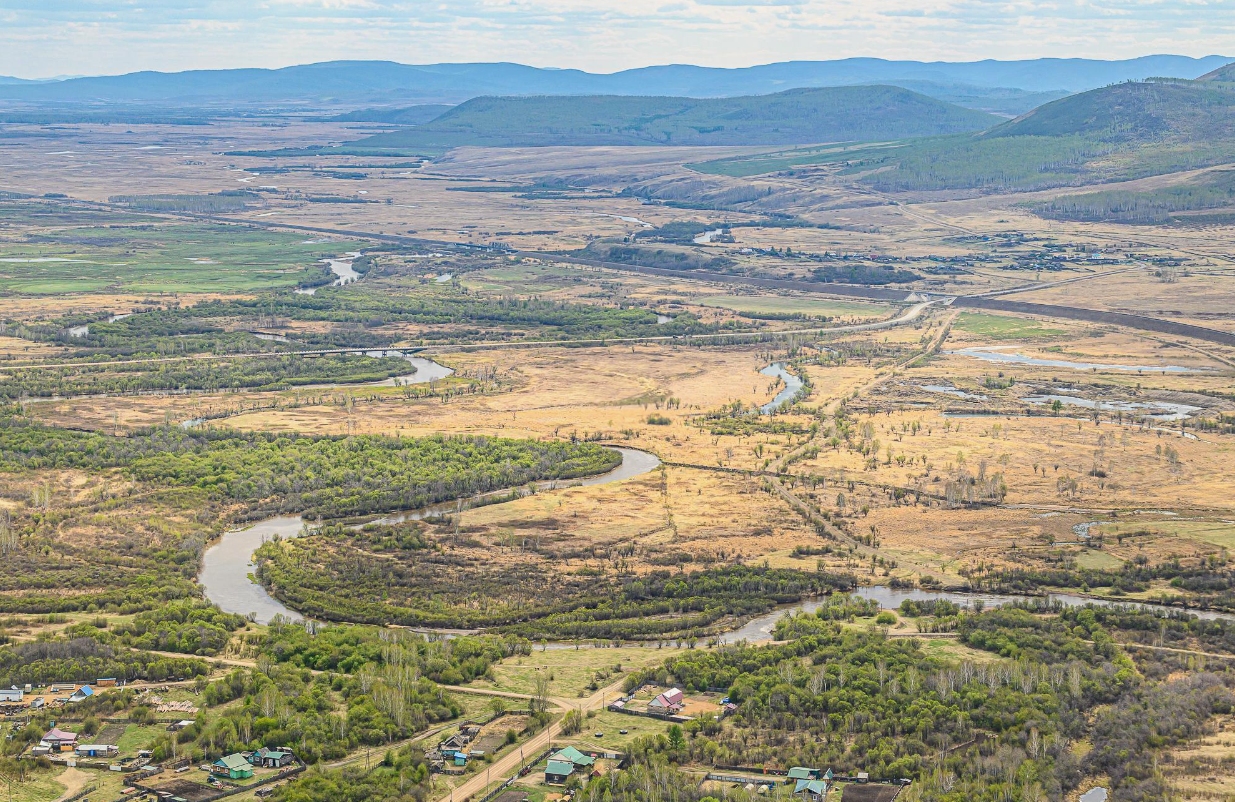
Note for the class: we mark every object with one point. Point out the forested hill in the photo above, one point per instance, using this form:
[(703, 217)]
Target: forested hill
[(798, 116), (1119, 132), (1200, 111)]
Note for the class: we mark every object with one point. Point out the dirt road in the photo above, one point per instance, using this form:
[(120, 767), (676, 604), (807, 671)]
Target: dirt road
[(510, 764)]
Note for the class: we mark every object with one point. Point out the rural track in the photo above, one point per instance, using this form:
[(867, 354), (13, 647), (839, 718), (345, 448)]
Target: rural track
[(1046, 285), (807, 510)]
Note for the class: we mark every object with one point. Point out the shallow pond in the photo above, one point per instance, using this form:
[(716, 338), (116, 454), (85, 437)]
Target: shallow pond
[(992, 355), (1170, 411), (947, 389)]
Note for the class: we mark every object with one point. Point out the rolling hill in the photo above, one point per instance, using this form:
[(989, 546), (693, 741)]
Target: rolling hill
[(1005, 86), (1130, 113), (1118, 132), (793, 117)]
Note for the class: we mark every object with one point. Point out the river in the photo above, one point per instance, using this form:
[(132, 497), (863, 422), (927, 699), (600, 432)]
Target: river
[(83, 330), (792, 382), (342, 268), (226, 565), (426, 370), (890, 598)]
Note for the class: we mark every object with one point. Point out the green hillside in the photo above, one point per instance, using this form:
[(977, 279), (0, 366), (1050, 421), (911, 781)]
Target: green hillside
[(1118, 132), (794, 117)]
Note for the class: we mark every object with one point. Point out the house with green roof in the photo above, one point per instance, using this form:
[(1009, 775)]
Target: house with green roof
[(574, 756), (234, 767), (564, 763), (271, 758), (805, 773), (811, 789), (558, 771)]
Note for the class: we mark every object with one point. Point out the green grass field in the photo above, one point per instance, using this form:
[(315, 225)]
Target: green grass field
[(138, 737), (520, 279), (165, 258), (998, 327), (572, 670), (611, 725), (776, 304), (1217, 533)]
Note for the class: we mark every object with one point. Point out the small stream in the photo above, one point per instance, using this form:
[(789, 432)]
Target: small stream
[(227, 565)]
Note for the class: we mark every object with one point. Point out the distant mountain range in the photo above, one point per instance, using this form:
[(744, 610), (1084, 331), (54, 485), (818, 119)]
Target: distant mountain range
[(797, 116), (1008, 87)]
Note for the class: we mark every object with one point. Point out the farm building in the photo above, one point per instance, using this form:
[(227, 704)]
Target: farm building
[(671, 700), (96, 750), (803, 773), (81, 694), (234, 766), (106, 682), (12, 695), (57, 740)]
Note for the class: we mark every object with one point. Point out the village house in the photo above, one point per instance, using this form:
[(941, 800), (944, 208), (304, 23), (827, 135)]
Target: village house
[(57, 740), (564, 763), (558, 771), (234, 767), (670, 701), (81, 694), (271, 758), (811, 789), (12, 695)]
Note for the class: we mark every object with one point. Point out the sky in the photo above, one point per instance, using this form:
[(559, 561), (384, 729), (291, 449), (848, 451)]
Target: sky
[(44, 38)]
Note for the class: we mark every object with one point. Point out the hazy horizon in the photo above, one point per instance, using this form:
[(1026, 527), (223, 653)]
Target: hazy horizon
[(93, 37), (73, 76)]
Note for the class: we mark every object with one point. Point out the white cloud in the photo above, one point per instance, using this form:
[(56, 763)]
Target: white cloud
[(111, 36)]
